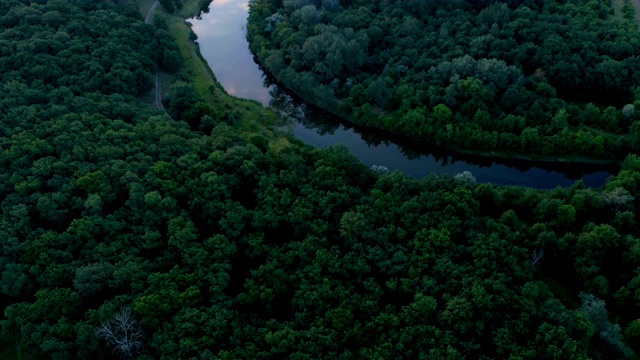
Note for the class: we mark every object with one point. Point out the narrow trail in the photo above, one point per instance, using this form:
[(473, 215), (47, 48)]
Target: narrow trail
[(151, 10), (158, 90)]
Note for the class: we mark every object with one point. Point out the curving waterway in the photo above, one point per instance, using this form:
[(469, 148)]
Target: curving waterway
[(221, 36)]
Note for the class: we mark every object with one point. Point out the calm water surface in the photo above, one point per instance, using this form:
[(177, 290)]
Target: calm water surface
[(221, 35)]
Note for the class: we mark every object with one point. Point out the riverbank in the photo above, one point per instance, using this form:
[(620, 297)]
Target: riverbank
[(223, 44), (528, 137), (455, 151), (487, 154), (252, 116)]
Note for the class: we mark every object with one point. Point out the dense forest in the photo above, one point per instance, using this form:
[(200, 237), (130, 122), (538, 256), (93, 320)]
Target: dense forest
[(543, 79), (126, 233)]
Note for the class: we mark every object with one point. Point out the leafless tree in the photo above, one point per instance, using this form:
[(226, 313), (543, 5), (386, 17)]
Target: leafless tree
[(122, 333), (537, 255)]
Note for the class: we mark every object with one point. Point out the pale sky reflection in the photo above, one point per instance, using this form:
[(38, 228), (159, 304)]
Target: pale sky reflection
[(224, 45), (226, 49), (218, 3)]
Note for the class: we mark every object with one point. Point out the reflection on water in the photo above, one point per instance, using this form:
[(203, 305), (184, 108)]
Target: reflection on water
[(417, 159), (221, 35)]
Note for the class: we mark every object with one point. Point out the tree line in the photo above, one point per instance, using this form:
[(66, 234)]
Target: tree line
[(536, 78)]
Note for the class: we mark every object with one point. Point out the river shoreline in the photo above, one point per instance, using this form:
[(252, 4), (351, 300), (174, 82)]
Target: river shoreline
[(396, 152), (335, 108), (488, 155)]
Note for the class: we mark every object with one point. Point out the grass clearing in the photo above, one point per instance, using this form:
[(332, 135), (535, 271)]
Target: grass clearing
[(194, 68), (251, 116)]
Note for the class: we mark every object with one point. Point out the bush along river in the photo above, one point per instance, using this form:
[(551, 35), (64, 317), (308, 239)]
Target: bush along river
[(222, 40)]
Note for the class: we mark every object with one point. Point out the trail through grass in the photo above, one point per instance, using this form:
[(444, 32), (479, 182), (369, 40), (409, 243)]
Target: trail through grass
[(252, 117)]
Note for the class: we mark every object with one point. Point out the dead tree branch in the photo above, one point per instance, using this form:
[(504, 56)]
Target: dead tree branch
[(123, 334), (538, 254)]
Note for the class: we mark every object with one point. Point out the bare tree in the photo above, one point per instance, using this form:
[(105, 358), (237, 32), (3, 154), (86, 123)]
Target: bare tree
[(537, 255), (122, 333)]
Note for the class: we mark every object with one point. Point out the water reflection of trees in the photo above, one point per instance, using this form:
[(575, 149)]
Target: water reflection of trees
[(204, 9), (325, 123)]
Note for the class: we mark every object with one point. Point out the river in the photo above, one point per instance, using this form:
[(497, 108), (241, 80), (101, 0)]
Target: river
[(221, 36)]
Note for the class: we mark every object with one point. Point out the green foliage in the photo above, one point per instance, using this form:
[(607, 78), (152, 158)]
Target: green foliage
[(227, 244), (594, 309), (516, 76), (169, 5)]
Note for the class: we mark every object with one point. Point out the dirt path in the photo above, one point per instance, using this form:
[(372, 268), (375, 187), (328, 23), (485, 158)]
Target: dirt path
[(158, 90), (150, 13)]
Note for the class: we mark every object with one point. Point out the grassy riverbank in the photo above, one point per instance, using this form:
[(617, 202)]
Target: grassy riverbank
[(252, 116)]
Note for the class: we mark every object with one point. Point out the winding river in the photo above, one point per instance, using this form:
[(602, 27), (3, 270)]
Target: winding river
[(221, 36)]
